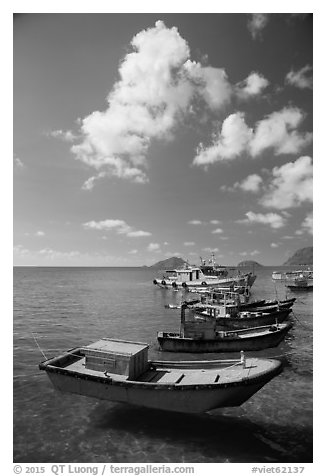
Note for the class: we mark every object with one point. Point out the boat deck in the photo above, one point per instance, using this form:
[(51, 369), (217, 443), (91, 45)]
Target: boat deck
[(253, 331), (180, 376)]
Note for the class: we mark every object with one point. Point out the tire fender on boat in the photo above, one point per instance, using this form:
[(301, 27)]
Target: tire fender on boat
[(163, 282), (204, 283)]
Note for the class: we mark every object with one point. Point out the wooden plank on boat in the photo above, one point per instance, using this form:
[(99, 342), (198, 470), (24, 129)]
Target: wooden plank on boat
[(200, 378), (172, 377)]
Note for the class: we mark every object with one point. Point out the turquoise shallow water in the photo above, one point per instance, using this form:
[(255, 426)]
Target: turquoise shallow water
[(60, 308)]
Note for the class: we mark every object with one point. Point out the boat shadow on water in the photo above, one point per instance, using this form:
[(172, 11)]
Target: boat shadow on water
[(218, 436)]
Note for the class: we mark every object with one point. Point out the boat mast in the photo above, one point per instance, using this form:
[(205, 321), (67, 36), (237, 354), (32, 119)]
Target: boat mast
[(182, 320)]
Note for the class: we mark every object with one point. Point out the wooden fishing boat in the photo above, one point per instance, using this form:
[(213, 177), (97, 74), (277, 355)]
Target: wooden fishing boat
[(120, 371), (242, 319), (201, 340), (235, 303), (210, 268), (290, 275), (251, 314), (215, 270), (300, 284), (201, 330), (270, 307), (282, 304), (193, 277), (227, 309)]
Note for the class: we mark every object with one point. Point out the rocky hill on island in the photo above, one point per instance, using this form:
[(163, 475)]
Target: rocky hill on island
[(300, 257), (169, 263), (249, 264)]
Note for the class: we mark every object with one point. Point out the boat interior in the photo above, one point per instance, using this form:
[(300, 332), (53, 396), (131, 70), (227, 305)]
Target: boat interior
[(166, 372)]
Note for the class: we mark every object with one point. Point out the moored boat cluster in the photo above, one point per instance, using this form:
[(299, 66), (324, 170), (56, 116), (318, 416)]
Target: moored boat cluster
[(217, 316), (298, 280)]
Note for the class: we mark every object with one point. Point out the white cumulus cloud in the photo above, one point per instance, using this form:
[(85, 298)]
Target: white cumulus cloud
[(66, 136), (154, 247), (195, 222), (252, 183), (215, 222), (277, 131), (18, 163), (89, 184), (302, 79), (252, 86), (274, 220), (233, 139), (119, 226), (257, 23), (292, 185), (306, 225), (158, 82)]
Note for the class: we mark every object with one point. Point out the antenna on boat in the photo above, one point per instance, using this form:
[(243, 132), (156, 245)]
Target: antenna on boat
[(182, 319), (275, 291)]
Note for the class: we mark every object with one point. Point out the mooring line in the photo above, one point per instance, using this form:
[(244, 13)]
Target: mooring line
[(39, 348), (28, 375), (303, 325)]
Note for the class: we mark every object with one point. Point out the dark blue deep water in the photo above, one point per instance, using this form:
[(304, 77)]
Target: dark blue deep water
[(60, 308)]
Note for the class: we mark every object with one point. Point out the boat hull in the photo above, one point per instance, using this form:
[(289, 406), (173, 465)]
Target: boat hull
[(265, 319), (173, 342), (246, 281), (203, 283), (270, 308), (300, 288), (186, 399)]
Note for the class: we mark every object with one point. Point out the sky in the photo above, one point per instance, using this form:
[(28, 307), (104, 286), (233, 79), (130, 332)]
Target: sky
[(140, 136)]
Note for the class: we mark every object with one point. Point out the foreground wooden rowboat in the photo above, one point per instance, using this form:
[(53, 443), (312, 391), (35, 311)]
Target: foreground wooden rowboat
[(120, 371)]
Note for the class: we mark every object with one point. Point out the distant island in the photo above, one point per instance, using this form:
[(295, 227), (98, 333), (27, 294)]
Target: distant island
[(170, 263), (249, 264), (304, 256), (301, 257)]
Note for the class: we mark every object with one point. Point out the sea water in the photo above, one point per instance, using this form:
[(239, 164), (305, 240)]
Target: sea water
[(56, 309)]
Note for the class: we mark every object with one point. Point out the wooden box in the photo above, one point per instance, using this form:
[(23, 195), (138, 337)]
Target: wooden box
[(117, 357)]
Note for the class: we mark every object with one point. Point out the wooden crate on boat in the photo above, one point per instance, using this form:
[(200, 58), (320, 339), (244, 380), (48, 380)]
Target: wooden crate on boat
[(117, 357)]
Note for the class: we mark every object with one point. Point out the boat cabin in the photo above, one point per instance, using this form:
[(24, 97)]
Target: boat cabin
[(200, 322), (115, 356), (184, 275), (221, 297), (197, 326), (213, 271)]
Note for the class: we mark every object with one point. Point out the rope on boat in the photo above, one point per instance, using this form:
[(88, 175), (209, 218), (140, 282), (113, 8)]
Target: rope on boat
[(303, 325), (280, 355), (28, 375), (39, 348)]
